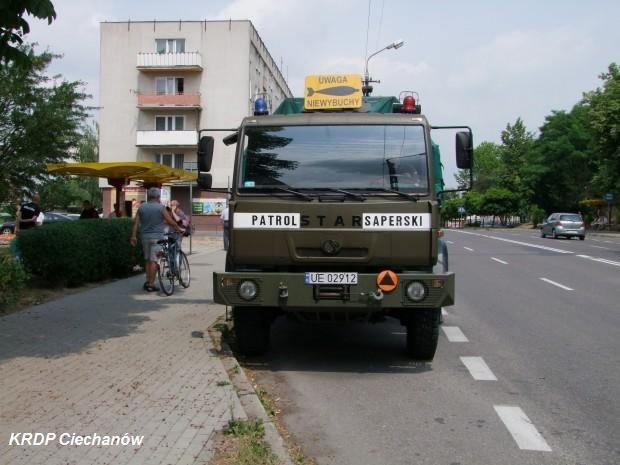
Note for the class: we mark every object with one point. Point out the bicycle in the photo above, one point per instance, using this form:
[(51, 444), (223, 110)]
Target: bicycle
[(173, 265)]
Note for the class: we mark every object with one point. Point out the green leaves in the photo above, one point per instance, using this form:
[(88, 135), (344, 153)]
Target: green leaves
[(40, 123)]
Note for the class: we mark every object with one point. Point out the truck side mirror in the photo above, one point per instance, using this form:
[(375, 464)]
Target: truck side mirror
[(205, 153), (204, 180), (464, 150)]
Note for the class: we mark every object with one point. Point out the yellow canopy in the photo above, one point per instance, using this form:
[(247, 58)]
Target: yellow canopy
[(144, 171)]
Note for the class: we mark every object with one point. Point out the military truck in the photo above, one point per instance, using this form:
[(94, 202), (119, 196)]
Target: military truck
[(334, 214)]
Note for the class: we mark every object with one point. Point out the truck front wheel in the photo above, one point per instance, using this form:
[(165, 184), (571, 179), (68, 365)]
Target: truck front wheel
[(423, 333), (252, 330)]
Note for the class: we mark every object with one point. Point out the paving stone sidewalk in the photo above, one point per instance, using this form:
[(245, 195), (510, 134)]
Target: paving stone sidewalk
[(114, 360)]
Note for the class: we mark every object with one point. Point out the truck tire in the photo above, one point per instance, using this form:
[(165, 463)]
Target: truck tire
[(252, 330), (423, 333)]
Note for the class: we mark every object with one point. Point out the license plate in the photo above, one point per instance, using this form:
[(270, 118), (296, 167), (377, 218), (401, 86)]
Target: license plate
[(330, 278)]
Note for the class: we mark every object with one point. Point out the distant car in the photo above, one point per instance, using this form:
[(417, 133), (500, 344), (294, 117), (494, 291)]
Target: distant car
[(564, 224), (48, 218)]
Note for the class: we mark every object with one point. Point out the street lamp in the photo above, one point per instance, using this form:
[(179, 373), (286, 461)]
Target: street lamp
[(367, 88)]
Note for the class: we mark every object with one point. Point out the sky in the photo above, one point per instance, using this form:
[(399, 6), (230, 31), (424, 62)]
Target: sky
[(479, 63)]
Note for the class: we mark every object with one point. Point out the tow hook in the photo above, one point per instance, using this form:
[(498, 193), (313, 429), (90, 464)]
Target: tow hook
[(377, 295), (283, 291)]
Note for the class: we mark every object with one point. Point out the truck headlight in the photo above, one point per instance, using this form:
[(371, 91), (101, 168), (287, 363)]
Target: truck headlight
[(416, 291), (248, 290)]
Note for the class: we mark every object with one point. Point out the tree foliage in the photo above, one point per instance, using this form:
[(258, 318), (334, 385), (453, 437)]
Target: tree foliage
[(13, 26), (574, 158), (40, 122)]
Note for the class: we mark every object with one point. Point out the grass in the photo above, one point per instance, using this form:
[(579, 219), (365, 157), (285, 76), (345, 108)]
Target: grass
[(222, 383), (268, 404), (243, 443)]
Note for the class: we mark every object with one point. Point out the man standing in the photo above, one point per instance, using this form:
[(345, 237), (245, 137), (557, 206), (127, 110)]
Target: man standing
[(151, 218), (88, 211), (28, 214)]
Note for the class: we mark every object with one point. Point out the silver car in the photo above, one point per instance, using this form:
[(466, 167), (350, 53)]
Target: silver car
[(564, 224)]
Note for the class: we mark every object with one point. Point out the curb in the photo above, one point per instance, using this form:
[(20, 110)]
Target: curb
[(252, 404)]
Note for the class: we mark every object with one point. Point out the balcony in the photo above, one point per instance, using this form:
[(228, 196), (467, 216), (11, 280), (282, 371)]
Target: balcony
[(158, 101), (156, 62), (187, 139)]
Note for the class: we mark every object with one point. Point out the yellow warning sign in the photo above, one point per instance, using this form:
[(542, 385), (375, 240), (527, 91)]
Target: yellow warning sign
[(333, 91), (387, 280)]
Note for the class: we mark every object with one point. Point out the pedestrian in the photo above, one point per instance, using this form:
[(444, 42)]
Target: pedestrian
[(27, 214), (116, 212), (226, 226), (88, 211), (151, 218)]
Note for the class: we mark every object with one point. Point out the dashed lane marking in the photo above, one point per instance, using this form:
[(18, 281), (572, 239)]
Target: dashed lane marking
[(467, 248), (600, 260), (454, 334), (526, 244), (499, 261), (521, 428), (557, 284), (598, 247), (450, 242), (444, 313), (478, 369)]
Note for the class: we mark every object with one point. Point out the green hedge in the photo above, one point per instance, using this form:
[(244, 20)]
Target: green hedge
[(13, 279), (76, 252)]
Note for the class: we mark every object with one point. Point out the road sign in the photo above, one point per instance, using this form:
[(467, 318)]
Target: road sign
[(333, 91), (609, 197), (461, 210)]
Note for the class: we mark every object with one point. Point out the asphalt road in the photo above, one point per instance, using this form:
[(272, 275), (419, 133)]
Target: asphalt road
[(527, 370)]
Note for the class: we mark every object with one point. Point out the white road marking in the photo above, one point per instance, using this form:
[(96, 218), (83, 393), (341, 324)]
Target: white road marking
[(478, 369), (600, 260), (598, 247), (499, 261), (467, 248), (454, 334), (444, 313), (608, 242), (527, 244), (450, 242), (556, 284), (595, 240), (521, 428)]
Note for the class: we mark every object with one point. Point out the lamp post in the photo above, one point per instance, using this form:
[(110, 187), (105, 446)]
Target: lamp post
[(367, 88)]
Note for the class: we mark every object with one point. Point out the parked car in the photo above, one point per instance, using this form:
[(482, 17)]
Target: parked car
[(48, 218), (564, 224)]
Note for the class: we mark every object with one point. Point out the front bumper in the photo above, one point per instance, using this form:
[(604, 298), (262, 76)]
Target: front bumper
[(289, 291)]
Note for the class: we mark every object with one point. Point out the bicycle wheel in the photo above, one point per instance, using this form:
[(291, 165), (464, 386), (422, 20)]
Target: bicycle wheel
[(165, 276), (183, 270)]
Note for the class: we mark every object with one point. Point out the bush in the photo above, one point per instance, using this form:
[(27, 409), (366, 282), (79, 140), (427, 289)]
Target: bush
[(76, 252), (13, 279)]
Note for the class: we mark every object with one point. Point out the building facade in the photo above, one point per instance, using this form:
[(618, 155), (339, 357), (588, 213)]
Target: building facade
[(163, 81)]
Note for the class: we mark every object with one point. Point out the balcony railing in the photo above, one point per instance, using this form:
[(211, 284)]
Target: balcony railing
[(166, 139), (189, 61), (154, 100)]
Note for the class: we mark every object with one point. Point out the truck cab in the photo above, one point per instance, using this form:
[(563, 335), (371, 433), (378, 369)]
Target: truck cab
[(334, 215)]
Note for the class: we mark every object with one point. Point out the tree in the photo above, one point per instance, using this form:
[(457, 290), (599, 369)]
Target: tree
[(13, 26), (487, 165), (40, 121), (559, 167), (66, 192), (517, 143), (500, 202), (604, 123)]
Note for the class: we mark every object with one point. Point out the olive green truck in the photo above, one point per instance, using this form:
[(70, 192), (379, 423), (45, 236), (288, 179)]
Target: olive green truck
[(334, 215)]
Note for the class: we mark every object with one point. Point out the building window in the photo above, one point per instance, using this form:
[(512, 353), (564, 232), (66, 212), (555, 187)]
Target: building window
[(169, 85), (173, 160), (169, 123), (170, 45)]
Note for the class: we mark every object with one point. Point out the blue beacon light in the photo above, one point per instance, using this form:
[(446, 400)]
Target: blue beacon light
[(260, 107)]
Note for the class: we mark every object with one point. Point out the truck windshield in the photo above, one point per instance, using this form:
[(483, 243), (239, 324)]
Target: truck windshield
[(361, 157)]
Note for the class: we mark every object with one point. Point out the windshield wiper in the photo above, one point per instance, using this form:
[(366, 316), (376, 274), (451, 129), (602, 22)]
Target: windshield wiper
[(359, 197), (385, 189), (284, 189)]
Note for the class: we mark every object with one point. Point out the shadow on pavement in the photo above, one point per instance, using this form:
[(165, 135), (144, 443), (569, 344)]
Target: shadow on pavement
[(337, 347)]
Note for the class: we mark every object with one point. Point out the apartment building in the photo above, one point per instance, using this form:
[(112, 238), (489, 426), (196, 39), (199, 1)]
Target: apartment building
[(162, 81)]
